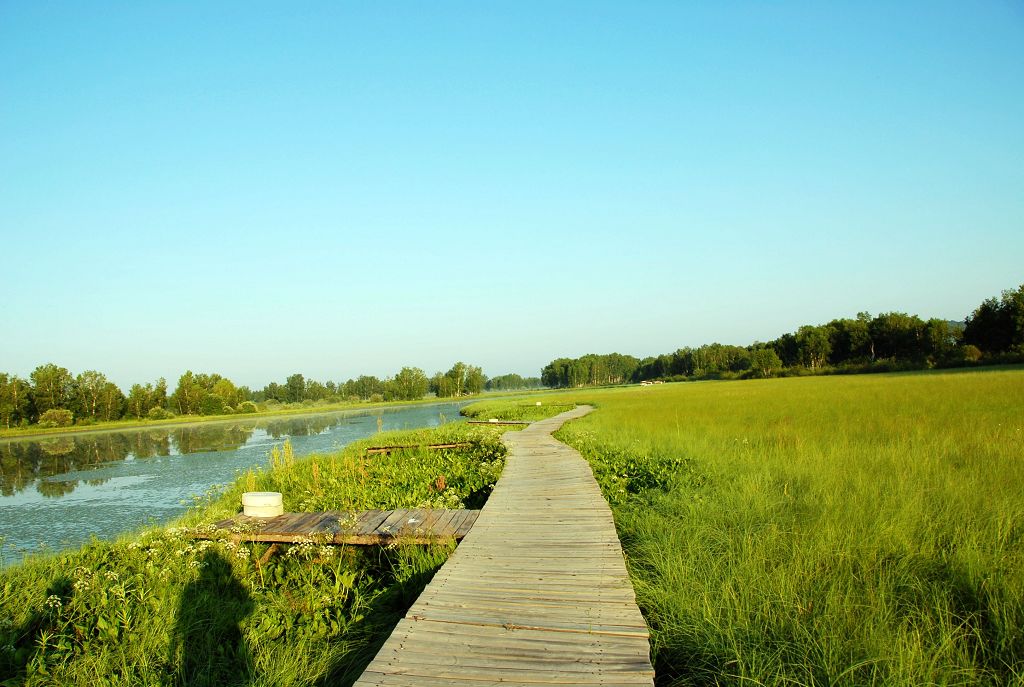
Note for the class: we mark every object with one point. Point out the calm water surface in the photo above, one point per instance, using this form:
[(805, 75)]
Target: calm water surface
[(57, 492)]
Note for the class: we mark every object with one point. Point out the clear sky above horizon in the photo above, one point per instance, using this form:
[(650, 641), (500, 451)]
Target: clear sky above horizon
[(257, 188)]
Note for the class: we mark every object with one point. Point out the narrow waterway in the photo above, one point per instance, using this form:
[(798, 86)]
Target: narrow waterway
[(58, 492)]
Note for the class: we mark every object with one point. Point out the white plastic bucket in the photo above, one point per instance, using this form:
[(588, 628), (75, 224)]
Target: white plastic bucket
[(262, 504)]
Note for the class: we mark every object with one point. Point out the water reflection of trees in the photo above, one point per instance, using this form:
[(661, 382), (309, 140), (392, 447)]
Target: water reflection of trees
[(309, 425), (24, 463), (203, 438)]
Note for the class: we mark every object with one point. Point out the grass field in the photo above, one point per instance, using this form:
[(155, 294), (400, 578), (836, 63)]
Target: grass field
[(860, 530), (821, 531)]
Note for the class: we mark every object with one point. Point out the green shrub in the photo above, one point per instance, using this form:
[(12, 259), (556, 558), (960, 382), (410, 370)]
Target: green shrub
[(56, 417), (159, 413), (212, 405), (246, 407)]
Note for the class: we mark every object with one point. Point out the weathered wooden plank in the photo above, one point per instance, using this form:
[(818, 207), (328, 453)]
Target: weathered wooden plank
[(443, 525), (486, 640), (373, 527), (372, 522), (393, 523)]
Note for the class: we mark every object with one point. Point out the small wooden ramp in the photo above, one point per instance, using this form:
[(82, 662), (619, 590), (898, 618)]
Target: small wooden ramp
[(537, 593)]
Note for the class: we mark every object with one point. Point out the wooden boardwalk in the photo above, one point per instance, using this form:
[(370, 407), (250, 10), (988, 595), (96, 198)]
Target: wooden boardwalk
[(412, 526), (537, 593)]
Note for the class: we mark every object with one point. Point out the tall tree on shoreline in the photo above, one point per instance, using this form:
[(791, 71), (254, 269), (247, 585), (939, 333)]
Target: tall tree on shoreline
[(15, 404), (52, 387)]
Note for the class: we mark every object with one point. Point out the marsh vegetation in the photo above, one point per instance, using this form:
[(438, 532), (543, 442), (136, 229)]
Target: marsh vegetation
[(825, 530), (158, 607)]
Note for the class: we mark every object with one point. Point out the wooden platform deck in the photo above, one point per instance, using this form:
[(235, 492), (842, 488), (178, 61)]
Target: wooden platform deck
[(414, 526), (537, 593)]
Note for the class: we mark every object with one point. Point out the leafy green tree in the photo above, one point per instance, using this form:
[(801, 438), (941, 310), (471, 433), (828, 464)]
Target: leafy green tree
[(52, 387), (188, 397), (712, 359), (590, 369), (141, 399), (997, 325), (442, 385), (227, 392), (275, 391), (813, 346), (295, 387), (212, 404), (15, 404), (460, 380), (138, 400), (458, 377), (409, 384), (475, 379), (941, 340), (786, 348), (765, 362), (364, 387), (898, 336), (159, 397), (850, 340), (88, 389), (315, 391), (512, 382), (111, 403)]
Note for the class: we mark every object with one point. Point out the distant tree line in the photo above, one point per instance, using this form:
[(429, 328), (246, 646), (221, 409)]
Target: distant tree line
[(409, 384), (992, 334), (512, 382), (53, 397)]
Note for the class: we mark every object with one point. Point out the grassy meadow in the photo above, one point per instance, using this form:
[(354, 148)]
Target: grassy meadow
[(864, 530), (160, 608), (860, 530)]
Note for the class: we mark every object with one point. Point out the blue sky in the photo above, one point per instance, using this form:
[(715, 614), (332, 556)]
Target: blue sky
[(345, 188)]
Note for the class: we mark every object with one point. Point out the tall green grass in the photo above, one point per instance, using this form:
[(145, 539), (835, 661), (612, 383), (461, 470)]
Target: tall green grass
[(822, 531), (161, 608), (527, 409)]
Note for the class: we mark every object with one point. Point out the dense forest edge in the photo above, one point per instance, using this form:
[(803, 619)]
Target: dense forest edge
[(993, 334), (52, 398)]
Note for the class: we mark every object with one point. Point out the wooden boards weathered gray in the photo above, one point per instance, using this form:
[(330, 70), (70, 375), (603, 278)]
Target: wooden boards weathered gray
[(537, 593), (369, 527)]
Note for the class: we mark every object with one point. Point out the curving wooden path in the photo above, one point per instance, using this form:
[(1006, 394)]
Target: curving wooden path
[(536, 594)]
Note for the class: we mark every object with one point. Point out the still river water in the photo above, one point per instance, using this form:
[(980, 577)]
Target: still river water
[(58, 492)]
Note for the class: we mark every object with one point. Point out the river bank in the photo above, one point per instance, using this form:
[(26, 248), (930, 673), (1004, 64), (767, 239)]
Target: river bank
[(58, 491)]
